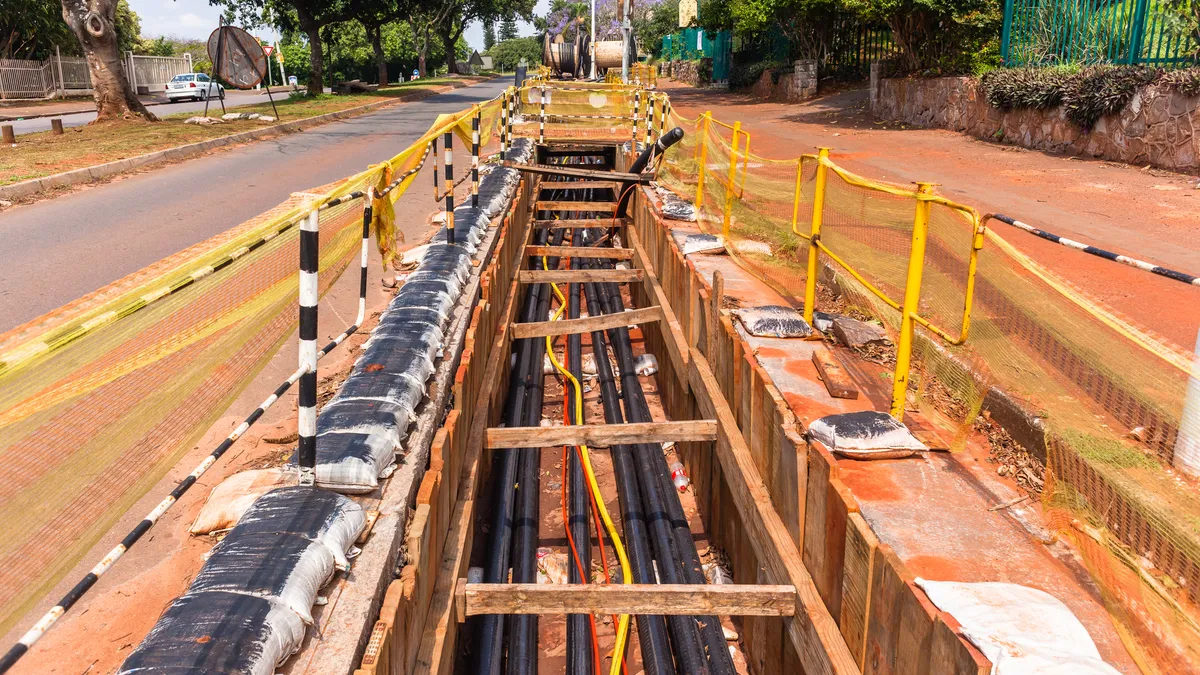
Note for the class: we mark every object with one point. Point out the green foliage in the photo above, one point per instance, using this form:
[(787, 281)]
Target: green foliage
[(658, 21), (30, 29), (508, 53), (489, 34), (508, 29), (129, 27), (1086, 94)]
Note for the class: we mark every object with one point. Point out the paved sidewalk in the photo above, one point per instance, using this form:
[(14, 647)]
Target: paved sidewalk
[(1149, 214)]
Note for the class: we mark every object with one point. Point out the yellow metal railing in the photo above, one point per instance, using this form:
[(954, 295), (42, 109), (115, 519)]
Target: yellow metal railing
[(922, 197)]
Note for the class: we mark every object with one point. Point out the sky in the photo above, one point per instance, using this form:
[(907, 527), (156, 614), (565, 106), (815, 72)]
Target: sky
[(196, 19)]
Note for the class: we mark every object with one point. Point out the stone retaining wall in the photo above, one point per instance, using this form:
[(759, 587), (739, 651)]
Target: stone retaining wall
[(798, 85), (1157, 126), (697, 72)]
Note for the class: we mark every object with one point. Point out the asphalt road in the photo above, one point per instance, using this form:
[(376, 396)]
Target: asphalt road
[(233, 99), (55, 251)]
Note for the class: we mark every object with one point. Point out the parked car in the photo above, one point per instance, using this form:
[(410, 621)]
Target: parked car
[(196, 86)]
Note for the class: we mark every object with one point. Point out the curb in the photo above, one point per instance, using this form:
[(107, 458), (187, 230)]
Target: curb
[(93, 173)]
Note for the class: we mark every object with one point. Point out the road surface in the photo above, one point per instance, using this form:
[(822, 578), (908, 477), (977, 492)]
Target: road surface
[(233, 99), (55, 251)]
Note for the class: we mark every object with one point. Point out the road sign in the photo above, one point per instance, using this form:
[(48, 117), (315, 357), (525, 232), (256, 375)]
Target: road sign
[(267, 49), (238, 57)]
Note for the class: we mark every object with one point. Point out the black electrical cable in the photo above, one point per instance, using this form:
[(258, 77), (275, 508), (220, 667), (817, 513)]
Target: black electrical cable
[(652, 629), (637, 410), (580, 657)]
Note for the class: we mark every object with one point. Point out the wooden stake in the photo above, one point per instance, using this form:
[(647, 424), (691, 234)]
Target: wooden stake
[(601, 435), (591, 323)]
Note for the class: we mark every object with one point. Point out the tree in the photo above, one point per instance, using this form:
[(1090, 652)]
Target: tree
[(31, 29), (94, 23), (507, 54), (489, 34), (374, 15), (457, 14), (508, 29)]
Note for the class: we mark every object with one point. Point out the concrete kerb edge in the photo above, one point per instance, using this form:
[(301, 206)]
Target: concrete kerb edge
[(90, 174)]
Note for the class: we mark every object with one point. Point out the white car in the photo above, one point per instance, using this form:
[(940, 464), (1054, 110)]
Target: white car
[(196, 86)]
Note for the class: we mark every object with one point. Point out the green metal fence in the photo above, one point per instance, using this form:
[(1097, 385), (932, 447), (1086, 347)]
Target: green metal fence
[(1141, 32), (695, 43)]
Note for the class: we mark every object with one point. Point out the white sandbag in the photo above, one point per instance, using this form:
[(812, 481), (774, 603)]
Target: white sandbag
[(703, 243), (319, 515), (675, 207), (867, 434), (752, 246), (773, 321), (229, 500), (1021, 630), (355, 460), (284, 567), (413, 255), (645, 364)]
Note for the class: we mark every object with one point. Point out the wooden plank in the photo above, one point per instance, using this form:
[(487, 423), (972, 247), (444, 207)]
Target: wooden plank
[(637, 599), (857, 570), (581, 185), (581, 251), (558, 170), (606, 207), (817, 521), (602, 435), (886, 603), (586, 325), (837, 381), (812, 631), (563, 223), (673, 336), (951, 654), (579, 276)]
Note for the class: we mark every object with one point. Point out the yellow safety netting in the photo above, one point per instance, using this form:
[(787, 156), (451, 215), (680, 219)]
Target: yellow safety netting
[(98, 400), (1109, 393)]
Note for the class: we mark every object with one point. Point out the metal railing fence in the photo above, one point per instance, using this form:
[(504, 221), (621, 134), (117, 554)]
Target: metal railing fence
[(1134, 32)]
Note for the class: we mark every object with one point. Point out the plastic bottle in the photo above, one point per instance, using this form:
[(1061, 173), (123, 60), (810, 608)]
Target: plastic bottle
[(679, 477)]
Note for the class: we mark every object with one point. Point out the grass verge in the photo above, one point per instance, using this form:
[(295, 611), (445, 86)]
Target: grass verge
[(43, 154)]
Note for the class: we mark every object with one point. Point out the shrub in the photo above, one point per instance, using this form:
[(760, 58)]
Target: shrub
[(743, 76), (1186, 81), (1087, 94)]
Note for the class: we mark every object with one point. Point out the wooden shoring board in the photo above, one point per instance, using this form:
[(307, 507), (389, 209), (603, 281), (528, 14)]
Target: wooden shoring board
[(581, 252), (813, 632), (638, 599), (578, 222), (587, 325), (614, 276), (602, 435), (580, 185), (555, 170), (676, 341), (556, 205)]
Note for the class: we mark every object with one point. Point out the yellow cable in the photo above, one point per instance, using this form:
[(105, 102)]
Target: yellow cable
[(623, 620)]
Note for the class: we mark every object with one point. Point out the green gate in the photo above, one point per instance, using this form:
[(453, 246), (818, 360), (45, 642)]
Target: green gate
[(1136, 32), (695, 43)]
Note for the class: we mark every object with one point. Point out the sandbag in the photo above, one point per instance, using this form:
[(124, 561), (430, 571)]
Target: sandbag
[(702, 243), (218, 633), (282, 567), (318, 515), (675, 207), (773, 321), (229, 500), (354, 460), (1021, 630), (867, 434)]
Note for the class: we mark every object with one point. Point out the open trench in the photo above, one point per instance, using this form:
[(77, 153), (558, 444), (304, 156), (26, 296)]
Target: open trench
[(543, 519)]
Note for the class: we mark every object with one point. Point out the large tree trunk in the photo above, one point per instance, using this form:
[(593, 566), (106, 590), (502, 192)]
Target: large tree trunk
[(376, 34), (94, 25), (316, 58), (448, 42), (422, 42)]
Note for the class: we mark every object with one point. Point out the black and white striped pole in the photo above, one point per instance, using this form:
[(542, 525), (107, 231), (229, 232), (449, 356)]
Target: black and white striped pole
[(449, 141), (306, 453), (475, 157), (514, 103), (637, 100), (437, 192), (504, 126), (649, 119), (542, 118)]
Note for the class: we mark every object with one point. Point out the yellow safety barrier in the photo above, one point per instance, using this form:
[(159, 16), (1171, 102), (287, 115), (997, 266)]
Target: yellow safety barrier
[(1107, 396)]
